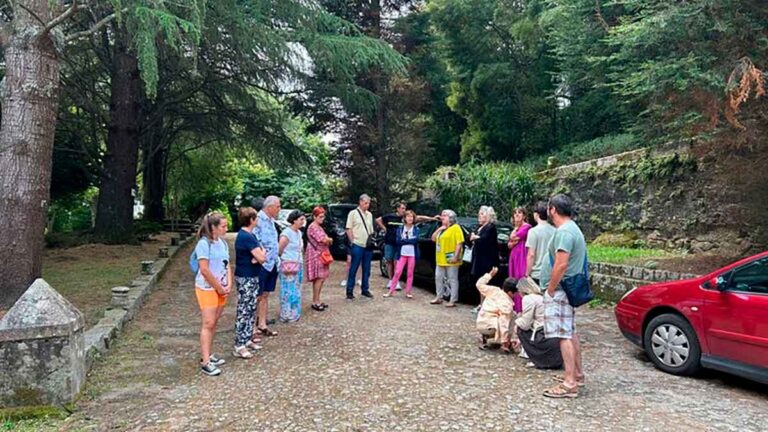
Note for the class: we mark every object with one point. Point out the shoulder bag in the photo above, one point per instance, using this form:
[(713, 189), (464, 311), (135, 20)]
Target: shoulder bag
[(370, 244), (325, 256), (577, 288)]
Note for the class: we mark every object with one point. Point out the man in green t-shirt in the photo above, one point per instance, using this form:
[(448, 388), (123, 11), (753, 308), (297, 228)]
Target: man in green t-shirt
[(566, 257), (449, 241)]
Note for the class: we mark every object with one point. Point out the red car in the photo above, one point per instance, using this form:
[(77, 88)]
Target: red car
[(718, 321)]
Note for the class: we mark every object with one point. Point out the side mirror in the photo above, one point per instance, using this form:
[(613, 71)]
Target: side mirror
[(719, 283)]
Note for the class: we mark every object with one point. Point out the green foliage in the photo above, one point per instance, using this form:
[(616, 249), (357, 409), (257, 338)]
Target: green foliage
[(583, 151), (465, 188), (72, 212)]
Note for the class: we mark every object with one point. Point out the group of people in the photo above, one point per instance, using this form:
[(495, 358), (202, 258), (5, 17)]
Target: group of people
[(529, 312), (262, 257), (531, 300)]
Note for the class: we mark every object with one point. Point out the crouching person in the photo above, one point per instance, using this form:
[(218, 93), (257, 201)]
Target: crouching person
[(543, 353), (495, 314)]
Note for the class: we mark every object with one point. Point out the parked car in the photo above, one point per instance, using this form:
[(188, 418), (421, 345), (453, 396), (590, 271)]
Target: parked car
[(335, 223), (718, 321), (424, 274), (282, 218)]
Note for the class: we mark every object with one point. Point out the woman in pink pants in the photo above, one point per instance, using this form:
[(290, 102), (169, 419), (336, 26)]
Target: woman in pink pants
[(407, 253)]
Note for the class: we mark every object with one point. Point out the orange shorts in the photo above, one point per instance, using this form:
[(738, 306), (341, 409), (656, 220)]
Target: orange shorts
[(209, 299)]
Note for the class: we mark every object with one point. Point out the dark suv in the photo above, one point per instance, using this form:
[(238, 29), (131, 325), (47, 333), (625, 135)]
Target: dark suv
[(424, 273), (335, 223)]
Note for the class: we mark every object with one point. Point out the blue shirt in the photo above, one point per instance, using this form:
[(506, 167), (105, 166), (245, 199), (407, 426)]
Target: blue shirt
[(267, 233), (217, 254), (244, 244)]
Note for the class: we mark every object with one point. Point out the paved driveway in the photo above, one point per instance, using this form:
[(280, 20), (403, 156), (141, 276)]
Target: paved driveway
[(386, 365)]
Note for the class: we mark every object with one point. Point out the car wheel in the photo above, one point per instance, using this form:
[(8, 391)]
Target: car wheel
[(672, 345), (383, 268)]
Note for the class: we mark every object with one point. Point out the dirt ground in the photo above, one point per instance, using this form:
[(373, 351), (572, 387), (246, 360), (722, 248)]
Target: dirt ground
[(86, 274), (385, 365)]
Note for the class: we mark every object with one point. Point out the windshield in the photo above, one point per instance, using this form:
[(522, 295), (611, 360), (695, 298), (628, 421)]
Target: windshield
[(283, 214), (340, 212)]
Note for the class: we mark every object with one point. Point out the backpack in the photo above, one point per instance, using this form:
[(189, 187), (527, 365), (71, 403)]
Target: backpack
[(194, 263)]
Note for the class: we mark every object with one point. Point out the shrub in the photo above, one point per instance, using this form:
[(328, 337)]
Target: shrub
[(501, 185)]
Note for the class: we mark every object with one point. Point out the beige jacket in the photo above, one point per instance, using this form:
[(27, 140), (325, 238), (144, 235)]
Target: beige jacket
[(496, 310)]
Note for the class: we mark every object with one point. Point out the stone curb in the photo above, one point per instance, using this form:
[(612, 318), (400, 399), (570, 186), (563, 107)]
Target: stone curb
[(101, 336), (611, 281)]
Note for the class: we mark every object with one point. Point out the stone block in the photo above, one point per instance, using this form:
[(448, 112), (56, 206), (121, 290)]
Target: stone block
[(120, 296), (42, 349), (163, 252), (146, 267)]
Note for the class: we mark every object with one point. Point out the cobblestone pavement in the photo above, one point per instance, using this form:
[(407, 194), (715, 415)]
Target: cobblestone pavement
[(386, 365)]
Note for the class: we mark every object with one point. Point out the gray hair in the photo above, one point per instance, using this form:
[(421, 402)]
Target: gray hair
[(489, 212), (270, 201), (451, 216), (364, 197)]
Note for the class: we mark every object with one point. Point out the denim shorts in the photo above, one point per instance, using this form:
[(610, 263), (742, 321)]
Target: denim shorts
[(389, 252)]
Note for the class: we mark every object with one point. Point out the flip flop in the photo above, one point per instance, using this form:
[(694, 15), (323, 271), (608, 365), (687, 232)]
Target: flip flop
[(561, 379)]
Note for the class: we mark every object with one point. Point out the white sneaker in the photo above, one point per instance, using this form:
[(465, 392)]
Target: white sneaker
[(523, 354), (359, 282), (343, 283), (398, 287)]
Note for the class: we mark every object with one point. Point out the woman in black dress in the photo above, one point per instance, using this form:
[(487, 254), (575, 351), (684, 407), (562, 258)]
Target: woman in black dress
[(485, 246)]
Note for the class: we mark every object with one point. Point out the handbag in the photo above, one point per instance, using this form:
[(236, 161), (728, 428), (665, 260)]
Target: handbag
[(326, 258), (370, 243), (289, 267), (577, 288)]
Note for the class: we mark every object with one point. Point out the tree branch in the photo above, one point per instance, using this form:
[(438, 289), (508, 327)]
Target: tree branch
[(61, 18), (599, 15), (96, 27), (34, 15)]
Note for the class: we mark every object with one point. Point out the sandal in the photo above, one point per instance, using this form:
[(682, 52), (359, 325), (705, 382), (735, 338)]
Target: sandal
[(267, 332), (318, 307), (255, 339), (436, 301), (410, 296), (324, 306), (562, 391), (561, 379), (389, 294), (242, 352), (253, 346)]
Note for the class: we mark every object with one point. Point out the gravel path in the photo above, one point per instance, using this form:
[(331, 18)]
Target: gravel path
[(386, 365)]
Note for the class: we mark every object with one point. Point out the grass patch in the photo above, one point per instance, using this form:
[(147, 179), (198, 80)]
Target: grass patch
[(623, 255), (85, 274), (33, 418)]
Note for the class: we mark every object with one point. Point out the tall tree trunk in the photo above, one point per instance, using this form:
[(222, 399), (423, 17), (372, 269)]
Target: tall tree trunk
[(114, 214), (154, 176), (30, 97), (379, 122)]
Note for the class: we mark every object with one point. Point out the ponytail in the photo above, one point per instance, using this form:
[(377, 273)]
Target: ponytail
[(210, 220)]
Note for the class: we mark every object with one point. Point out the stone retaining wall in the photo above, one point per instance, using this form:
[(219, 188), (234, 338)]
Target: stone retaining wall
[(611, 281), (99, 338)]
